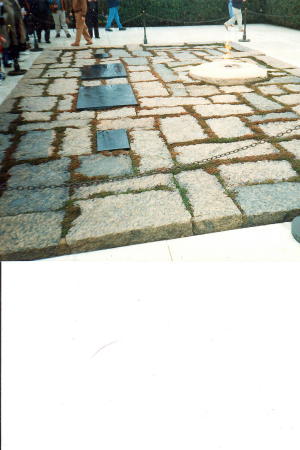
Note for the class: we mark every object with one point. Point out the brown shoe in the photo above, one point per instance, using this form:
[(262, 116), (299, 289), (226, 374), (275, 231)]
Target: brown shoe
[(89, 42), (75, 44)]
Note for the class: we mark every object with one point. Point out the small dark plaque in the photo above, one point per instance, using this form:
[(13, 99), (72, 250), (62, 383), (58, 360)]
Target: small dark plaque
[(101, 55), (112, 140), (105, 97), (97, 71)]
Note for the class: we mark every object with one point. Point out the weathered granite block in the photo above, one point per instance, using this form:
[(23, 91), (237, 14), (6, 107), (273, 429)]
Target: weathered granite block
[(181, 129), (77, 141), (271, 90), (256, 172), (29, 235), (38, 104), (203, 90), (228, 127), (63, 86), (53, 124), (116, 113), (5, 142), (129, 219), (269, 116), (170, 101), (275, 128), (225, 98), (260, 102), (165, 73), (152, 150), (238, 89), (35, 144), (162, 111), (213, 210), (6, 120), (127, 123), (78, 115), (150, 89), (189, 154), (289, 99), (292, 146), (269, 203), (137, 68), (139, 61), (142, 76), (8, 105), (292, 87), (25, 90), (99, 165)]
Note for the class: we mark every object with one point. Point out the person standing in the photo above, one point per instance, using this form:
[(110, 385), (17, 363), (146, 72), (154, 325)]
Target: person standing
[(237, 15), (230, 10), (113, 14), (58, 10), (41, 17), (80, 9), (92, 18)]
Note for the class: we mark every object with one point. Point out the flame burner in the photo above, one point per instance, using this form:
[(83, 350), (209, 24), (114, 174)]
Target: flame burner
[(228, 72)]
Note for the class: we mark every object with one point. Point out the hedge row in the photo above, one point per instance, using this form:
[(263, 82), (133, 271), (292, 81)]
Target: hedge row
[(180, 12)]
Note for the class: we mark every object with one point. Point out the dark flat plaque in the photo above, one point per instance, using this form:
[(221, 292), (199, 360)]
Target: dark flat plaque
[(97, 71), (112, 140), (101, 55), (105, 97)]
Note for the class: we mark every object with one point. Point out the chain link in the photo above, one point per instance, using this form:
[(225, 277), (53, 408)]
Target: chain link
[(88, 183)]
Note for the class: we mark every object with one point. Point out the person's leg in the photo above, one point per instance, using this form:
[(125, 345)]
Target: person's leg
[(63, 22), (56, 22), (231, 21), (96, 32), (111, 14), (85, 33), (47, 34), (117, 18), (230, 10), (239, 18), (79, 27)]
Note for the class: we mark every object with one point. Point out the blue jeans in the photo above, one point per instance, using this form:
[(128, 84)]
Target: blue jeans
[(230, 9), (113, 15)]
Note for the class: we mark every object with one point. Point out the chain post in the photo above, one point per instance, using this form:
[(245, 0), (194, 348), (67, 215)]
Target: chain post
[(144, 24), (244, 39)]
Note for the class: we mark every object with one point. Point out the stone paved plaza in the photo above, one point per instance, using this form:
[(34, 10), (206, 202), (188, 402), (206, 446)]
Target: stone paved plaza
[(160, 188)]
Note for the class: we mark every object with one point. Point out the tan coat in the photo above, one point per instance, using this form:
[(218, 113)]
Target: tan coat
[(79, 6)]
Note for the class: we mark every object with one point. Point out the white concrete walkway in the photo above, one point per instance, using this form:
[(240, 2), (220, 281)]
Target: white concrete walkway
[(267, 243)]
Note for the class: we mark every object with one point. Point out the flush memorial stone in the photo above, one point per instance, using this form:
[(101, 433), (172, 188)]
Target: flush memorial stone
[(105, 97), (296, 228), (103, 71), (112, 140)]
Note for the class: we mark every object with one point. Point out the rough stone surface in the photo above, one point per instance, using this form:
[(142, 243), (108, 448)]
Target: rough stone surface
[(268, 203), (213, 210), (8, 105), (256, 172), (125, 123), (29, 232), (65, 104), (137, 68), (151, 149), (274, 128), (292, 146), (53, 124), (116, 113), (32, 116), (162, 111), (238, 89), (116, 81), (228, 127), (202, 90), (181, 129), (100, 165), (289, 99), (164, 73), (81, 115), (177, 89), (142, 76), (271, 116), (261, 103), (132, 184), (283, 80), (62, 86), (6, 120), (113, 221), (150, 89), (222, 110), (23, 90), (292, 87), (76, 142), (139, 61), (38, 104), (189, 154), (271, 90), (5, 142), (173, 101), (224, 99), (35, 144)]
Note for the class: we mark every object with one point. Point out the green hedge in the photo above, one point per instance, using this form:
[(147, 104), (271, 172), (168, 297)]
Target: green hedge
[(278, 12), (179, 12)]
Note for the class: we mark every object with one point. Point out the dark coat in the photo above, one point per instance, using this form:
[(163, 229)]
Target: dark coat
[(237, 3), (113, 3)]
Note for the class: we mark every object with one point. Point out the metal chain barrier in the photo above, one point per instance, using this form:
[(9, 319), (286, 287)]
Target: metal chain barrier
[(160, 19), (99, 182), (270, 15)]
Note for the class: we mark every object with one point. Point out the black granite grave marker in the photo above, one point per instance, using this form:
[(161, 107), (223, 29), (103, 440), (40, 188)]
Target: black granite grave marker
[(105, 97), (97, 71), (112, 140), (101, 55)]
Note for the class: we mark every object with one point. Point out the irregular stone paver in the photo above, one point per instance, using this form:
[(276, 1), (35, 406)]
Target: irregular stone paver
[(76, 142), (116, 113), (35, 144), (125, 123), (142, 76), (53, 124), (92, 83), (189, 154), (47, 174), (165, 73), (113, 220), (137, 68), (260, 102), (5, 142), (133, 184), (162, 111), (224, 99), (99, 165), (283, 80), (177, 89), (222, 110), (170, 101), (27, 233), (268, 203), (274, 128), (256, 172), (6, 120), (23, 90), (292, 87), (202, 90), (55, 73), (32, 116), (289, 99), (62, 86), (271, 90), (152, 150), (66, 103), (8, 105), (150, 89), (213, 209), (292, 146), (116, 81), (181, 129), (274, 62), (269, 116), (38, 104), (228, 127), (141, 53), (237, 89), (139, 61), (81, 115), (119, 53)]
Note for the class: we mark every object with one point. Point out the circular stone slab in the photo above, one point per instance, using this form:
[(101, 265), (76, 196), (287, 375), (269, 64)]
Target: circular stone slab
[(296, 228), (228, 72)]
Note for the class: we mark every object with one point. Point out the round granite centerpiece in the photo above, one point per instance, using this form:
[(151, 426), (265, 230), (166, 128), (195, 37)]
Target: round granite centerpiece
[(228, 72)]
